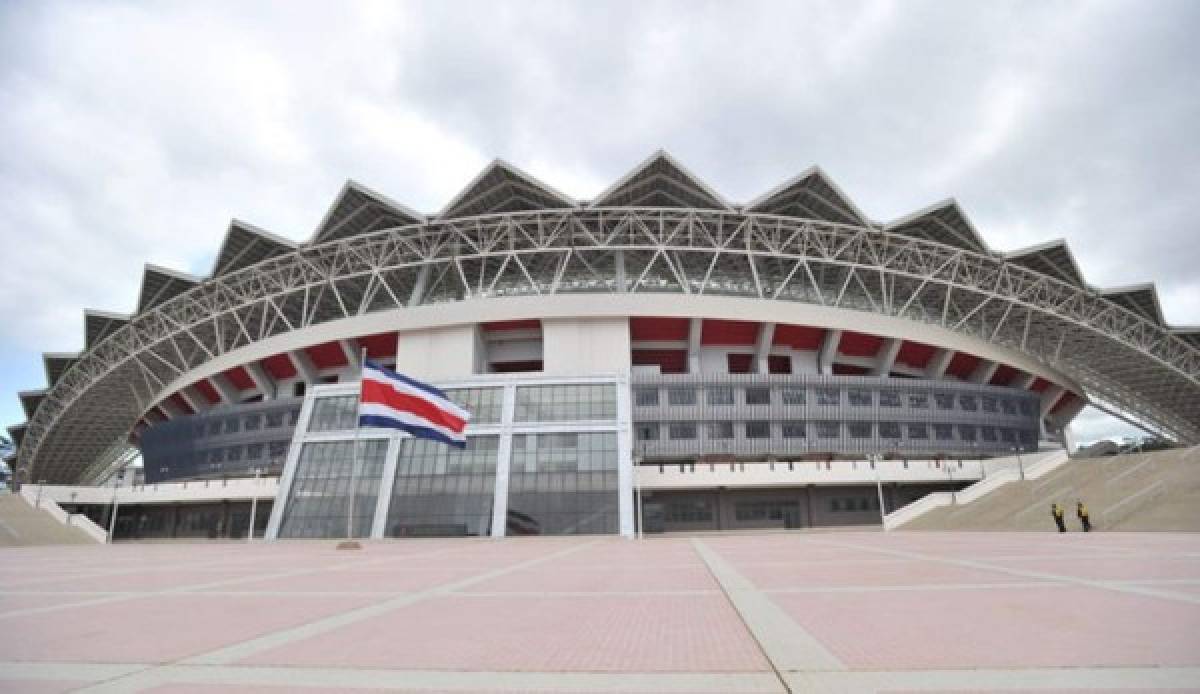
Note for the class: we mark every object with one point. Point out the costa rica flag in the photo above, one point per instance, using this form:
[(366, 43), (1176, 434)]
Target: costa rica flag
[(394, 401)]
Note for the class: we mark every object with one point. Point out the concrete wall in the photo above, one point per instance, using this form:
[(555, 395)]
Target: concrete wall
[(585, 346), (437, 353)]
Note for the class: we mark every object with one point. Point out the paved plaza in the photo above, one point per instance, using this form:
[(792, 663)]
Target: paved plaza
[(834, 611)]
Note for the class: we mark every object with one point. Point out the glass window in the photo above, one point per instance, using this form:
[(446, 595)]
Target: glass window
[(440, 490), (829, 396), (966, 432), (793, 430), (758, 396), (758, 430), (968, 402), (254, 451), (943, 432), (945, 401), (859, 397), (1008, 406), (274, 420), (1008, 435), (327, 475), (214, 427), (1026, 407), (233, 454), (988, 433), (792, 396), (647, 431), (688, 510), (563, 484), (988, 403), (889, 430), (252, 422), (719, 431), (889, 398), (681, 430), (918, 431), (681, 396), (338, 413), (829, 430), (858, 430), (645, 397), (484, 404), (566, 403), (719, 395), (918, 401)]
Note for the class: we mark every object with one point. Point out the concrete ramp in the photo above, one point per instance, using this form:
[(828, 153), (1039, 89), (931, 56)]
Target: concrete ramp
[(21, 525)]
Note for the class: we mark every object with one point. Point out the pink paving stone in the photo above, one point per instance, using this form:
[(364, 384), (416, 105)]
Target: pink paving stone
[(354, 581), (608, 633), (40, 686), (629, 578), (900, 573), (999, 627), (145, 581), (1110, 569), (158, 628), (13, 602)]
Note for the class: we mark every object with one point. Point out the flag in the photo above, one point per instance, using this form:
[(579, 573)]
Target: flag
[(395, 401)]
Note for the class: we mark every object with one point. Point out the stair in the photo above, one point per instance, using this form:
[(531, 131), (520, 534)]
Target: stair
[(21, 525)]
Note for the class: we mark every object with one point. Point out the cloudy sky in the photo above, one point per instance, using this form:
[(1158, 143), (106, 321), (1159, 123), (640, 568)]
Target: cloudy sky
[(132, 133)]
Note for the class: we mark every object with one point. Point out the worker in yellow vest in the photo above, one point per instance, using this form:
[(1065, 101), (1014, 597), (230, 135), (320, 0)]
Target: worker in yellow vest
[(1057, 510), (1084, 519)]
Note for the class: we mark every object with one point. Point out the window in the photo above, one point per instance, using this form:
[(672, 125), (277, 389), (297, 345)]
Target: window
[(681, 396), (678, 431), (566, 403), (1008, 435), (793, 430), (334, 414), (647, 432), (563, 484), (889, 430), (688, 511), (719, 431), (277, 451), (966, 432), (1026, 408), (1008, 406), (945, 401), (969, 403), (988, 433), (889, 398), (988, 403), (918, 431), (319, 500), (829, 396), (214, 427), (918, 401), (758, 430), (274, 420), (254, 451), (858, 430), (439, 490), (719, 395), (829, 430), (233, 454), (792, 396), (859, 397), (252, 422), (645, 397), (484, 404), (758, 396), (943, 432)]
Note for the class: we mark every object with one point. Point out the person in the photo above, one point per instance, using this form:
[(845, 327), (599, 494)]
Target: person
[(1057, 510), (1084, 519)]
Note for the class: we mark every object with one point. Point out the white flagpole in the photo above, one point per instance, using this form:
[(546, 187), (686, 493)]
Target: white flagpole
[(362, 361)]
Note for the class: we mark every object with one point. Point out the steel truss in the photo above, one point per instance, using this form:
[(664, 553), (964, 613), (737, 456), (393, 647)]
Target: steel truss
[(1117, 355)]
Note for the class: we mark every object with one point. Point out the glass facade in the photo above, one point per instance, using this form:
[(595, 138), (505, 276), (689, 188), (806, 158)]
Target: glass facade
[(338, 413), (484, 404), (319, 499), (563, 484), (566, 403), (443, 491)]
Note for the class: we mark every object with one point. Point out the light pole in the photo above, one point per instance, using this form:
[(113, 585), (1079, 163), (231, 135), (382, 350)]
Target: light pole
[(1020, 463), (253, 505), (637, 464), (875, 459)]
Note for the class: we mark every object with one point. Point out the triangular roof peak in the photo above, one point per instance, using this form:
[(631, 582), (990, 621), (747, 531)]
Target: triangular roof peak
[(812, 194), (502, 187), (660, 181), (98, 325), (160, 284), (944, 222), (1141, 298), (1052, 258), (245, 245), (358, 209)]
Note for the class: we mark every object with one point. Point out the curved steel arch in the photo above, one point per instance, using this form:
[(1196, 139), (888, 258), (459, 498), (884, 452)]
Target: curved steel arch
[(1119, 356)]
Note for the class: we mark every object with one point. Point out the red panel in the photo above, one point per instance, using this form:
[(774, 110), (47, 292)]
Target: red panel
[(279, 366), (181, 404), (239, 378), (379, 346), (728, 332), (855, 344), (509, 367), (1039, 384), (798, 337), (327, 356), (915, 354), (850, 370), (739, 363), (495, 326), (1004, 375), (1066, 400), (670, 361), (962, 365), (779, 364), (210, 394), (659, 329)]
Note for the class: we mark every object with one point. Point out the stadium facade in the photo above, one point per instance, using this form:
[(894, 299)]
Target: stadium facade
[(736, 365)]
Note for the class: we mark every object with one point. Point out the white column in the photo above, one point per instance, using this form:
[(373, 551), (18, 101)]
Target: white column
[(1024, 381), (352, 352), (229, 394), (985, 371), (418, 290), (762, 348), (1050, 397), (263, 380), (170, 409), (503, 463), (304, 366), (829, 348), (887, 357), (695, 331), (625, 469), (384, 501), (195, 400), (936, 368)]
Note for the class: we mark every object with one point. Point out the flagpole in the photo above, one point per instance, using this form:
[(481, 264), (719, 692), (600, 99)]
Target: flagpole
[(362, 361)]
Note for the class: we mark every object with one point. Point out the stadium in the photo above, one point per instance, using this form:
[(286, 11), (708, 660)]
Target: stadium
[(654, 359)]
